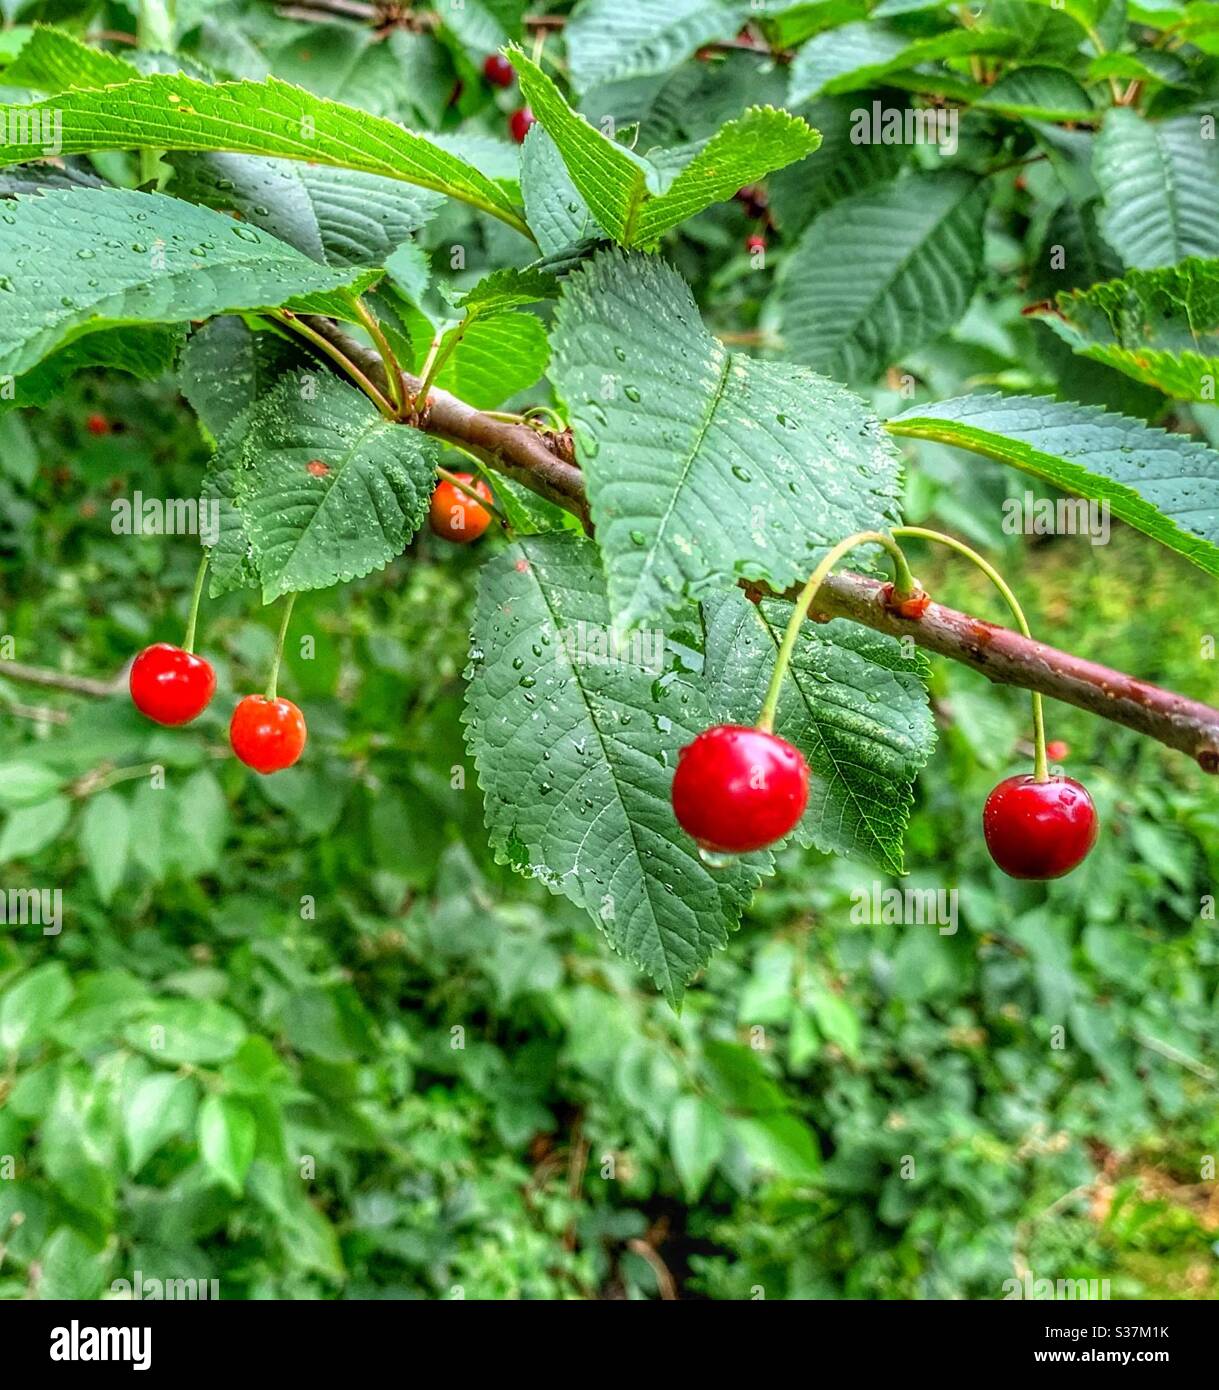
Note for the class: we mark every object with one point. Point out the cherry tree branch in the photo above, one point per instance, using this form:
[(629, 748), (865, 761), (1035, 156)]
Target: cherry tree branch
[(545, 461)]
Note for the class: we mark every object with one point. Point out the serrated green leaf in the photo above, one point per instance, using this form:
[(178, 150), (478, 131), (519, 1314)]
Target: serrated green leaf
[(788, 23), (105, 836), (593, 820), (1158, 326), (556, 212), (608, 41), (226, 366), (1160, 183), (353, 510), (81, 260), (863, 54), (622, 190), (495, 358), (851, 702), (703, 466), (338, 216), (880, 274), (53, 61), (143, 352), (230, 559), (227, 1134), (1038, 92), (170, 111), (1164, 485)]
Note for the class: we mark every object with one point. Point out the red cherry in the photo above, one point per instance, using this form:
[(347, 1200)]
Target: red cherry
[(97, 424), (267, 735), (499, 71), (738, 788), (1056, 750), (755, 243), (454, 515), (170, 685), (1039, 829), (519, 123)]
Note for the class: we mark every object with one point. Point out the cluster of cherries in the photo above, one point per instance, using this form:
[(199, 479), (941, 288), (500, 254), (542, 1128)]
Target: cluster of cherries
[(173, 685), (740, 788), (500, 73)]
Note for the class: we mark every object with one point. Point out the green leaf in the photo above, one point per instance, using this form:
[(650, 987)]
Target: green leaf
[(1158, 326), (592, 819), (781, 1145), (230, 560), (26, 784), (495, 358), (330, 489), (882, 273), (1164, 485), (703, 467), (105, 834), (227, 1134), (80, 260), (226, 366), (196, 1031), (160, 1107), (170, 111), (607, 41), (787, 23), (31, 828), (698, 1134), (144, 352), (1039, 93), (338, 216), (1160, 182), (863, 54), (202, 824), (623, 191), (852, 702), (29, 1006), (70, 1268), (53, 61)]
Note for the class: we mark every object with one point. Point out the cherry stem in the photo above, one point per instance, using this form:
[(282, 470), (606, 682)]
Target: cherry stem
[(1041, 771), (192, 621), (290, 320), (393, 372), (904, 585), (273, 683)]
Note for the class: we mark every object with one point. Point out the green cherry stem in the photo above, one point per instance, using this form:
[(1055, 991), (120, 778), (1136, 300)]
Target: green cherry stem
[(469, 490), (273, 683), (192, 622), (903, 584), (1041, 770)]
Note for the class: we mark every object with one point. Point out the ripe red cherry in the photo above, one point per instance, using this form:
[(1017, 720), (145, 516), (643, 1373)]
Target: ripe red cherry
[(738, 788), (170, 685), (1057, 751), (1039, 829), (456, 516), (267, 735), (97, 424), (519, 123), (498, 70)]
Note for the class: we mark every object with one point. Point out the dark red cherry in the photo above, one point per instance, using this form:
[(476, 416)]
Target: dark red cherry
[(499, 71), (1039, 829), (519, 123), (171, 685), (738, 789)]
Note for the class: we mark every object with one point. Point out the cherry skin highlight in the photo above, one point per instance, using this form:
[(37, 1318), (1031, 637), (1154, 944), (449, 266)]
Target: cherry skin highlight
[(738, 789), (170, 685), (499, 71), (267, 735), (1037, 829), (519, 123), (454, 515)]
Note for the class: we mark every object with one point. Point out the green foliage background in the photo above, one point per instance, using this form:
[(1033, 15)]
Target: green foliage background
[(391, 1068)]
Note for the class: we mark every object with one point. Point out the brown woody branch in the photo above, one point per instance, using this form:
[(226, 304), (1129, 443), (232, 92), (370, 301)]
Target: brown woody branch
[(544, 461)]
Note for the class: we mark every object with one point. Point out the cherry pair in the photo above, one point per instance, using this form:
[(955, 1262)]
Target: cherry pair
[(173, 686)]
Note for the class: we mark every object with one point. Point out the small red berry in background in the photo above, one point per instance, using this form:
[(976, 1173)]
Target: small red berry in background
[(267, 735), (498, 71), (738, 789), (455, 515), (520, 122), (1056, 750), (757, 242), (1039, 830), (97, 424), (170, 685)]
